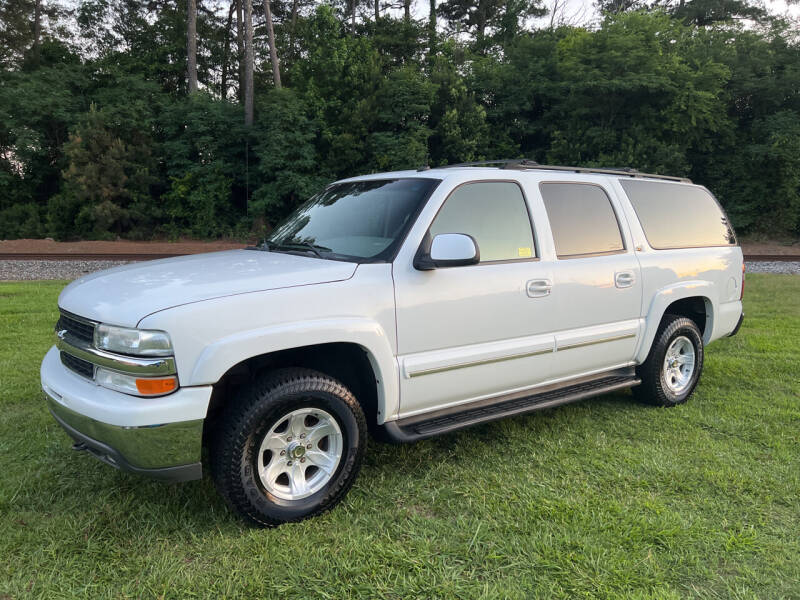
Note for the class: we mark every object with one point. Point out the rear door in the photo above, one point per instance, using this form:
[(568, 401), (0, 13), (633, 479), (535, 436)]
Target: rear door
[(596, 279)]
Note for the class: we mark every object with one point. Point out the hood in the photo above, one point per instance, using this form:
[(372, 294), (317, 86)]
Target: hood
[(124, 295)]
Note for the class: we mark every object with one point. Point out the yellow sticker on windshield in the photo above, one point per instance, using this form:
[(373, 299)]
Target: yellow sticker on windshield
[(525, 252)]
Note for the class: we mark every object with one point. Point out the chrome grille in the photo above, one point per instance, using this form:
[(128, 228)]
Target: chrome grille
[(76, 327), (77, 365)]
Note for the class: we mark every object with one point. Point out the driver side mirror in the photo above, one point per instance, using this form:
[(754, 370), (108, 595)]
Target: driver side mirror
[(448, 250)]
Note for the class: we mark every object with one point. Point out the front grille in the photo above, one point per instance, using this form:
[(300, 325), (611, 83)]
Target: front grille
[(75, 327), (77, 365)]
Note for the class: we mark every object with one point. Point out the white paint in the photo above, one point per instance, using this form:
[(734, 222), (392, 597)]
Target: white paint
[(123, 295), (434, 338), (114, 408)]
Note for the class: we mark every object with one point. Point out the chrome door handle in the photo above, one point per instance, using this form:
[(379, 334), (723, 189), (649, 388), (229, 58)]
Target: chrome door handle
[(623, 279), (538, 288)]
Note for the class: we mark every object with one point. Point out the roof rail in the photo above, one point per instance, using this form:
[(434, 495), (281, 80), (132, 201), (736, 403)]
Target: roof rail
[(478, 163), (527, 164), (623, 171)]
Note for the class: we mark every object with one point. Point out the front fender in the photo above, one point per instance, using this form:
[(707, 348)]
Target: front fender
[(666, 296), (219, 357)]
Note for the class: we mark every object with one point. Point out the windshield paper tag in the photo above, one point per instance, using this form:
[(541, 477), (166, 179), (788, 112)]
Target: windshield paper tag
[(524, 252)]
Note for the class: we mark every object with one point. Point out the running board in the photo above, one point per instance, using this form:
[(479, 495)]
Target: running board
[(428, 425)]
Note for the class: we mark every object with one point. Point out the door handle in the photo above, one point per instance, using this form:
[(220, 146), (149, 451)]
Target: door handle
[(623, 279), (538, 288)]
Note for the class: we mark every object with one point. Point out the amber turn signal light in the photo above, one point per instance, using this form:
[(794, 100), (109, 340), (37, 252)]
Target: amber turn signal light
[(152, 387)]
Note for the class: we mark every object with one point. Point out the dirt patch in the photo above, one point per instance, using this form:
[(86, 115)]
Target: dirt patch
[(117, 247), (782, 248)]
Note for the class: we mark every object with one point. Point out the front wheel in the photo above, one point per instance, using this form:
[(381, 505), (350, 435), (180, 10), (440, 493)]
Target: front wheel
[(673, 367), (290, 448)]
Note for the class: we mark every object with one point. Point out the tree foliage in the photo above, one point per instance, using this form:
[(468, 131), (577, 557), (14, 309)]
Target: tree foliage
[(99, 136)]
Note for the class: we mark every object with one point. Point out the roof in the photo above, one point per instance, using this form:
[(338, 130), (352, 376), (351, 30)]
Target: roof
[(521, 165)]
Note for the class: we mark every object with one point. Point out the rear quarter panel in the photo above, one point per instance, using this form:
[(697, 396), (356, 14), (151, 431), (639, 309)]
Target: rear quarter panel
[(713, 273)]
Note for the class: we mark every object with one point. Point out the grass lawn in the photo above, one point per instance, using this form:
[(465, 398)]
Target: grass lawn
[(604, 498)]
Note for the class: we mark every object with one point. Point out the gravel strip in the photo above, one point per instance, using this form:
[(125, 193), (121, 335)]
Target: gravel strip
[(792, 267), (33, 270)]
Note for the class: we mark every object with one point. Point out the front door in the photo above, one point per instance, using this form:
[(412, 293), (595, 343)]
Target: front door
[(471, 332)]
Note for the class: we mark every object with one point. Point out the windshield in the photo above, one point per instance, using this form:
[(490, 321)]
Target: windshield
[(354, 221)]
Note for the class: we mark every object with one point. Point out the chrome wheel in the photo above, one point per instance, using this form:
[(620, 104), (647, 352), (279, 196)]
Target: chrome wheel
[(300, 453), (679, 363)]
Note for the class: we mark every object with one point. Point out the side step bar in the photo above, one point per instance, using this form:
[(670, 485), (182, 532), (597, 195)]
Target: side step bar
[(428, 425)]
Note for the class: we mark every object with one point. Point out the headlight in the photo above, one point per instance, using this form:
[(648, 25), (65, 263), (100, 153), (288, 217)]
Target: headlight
[(138, 386), (138, 342)]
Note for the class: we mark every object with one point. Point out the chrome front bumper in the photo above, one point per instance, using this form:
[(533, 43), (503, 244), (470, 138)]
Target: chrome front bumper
[(160, 437), (169, 452)]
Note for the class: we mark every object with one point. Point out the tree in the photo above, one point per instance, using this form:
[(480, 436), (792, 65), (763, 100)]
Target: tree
[(480, 17), (240, 54), (223, 85), (673, 86), (23, 31), (289, 166), (37, 27), (707, 12), (191, 44), (248, 62), (106, 184), (432, 28), (273, 51)]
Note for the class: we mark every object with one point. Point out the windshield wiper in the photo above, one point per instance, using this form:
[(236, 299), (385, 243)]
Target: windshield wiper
[(315, 248)]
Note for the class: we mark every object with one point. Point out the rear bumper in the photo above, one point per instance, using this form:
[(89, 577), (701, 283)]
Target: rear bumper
[(738, 326), (160, 437)]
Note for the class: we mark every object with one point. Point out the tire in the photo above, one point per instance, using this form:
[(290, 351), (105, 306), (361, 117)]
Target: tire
[(669, 383), (269, 459)]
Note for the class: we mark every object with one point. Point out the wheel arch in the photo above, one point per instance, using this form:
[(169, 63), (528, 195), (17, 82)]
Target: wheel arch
[(692, 300), (351, 363)]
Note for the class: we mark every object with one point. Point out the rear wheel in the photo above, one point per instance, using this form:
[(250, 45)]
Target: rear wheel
[(674, 365), (290, 448)]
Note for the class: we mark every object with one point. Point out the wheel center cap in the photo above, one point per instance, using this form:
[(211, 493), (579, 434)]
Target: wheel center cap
[(674, 363), (296, 450)]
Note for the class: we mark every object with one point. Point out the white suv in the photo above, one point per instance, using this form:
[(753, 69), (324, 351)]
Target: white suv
[(411, 304)]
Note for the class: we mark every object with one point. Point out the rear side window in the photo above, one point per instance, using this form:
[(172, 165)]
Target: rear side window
[(676, 215), (495, 214), (582, 219)]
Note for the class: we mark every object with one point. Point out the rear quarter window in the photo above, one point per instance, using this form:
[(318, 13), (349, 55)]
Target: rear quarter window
[(675, 215)]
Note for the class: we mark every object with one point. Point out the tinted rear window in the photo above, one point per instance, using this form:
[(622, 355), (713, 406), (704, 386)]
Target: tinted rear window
[(675, 215), (581, 218)]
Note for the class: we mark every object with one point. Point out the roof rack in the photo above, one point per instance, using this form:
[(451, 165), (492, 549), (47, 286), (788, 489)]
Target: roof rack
[(478, 163), (624, 171), (527, 164)]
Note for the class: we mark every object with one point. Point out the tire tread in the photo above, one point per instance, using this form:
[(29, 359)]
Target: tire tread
[(245, 413), (651, 391)]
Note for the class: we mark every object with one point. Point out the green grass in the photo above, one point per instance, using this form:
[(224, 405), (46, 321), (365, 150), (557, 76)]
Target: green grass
[(604, 498)]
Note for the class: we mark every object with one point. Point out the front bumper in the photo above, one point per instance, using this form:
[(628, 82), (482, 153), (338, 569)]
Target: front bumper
[(160, 437)]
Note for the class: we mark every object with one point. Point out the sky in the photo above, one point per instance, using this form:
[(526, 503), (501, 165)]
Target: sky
[(581, 12)]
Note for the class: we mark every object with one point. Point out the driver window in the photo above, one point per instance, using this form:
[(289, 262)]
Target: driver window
[(495, 214)]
